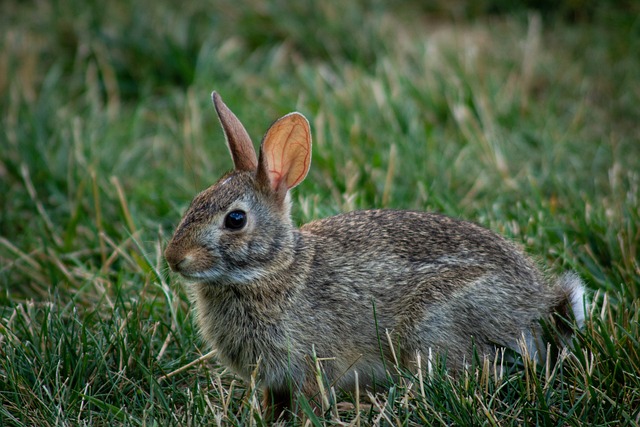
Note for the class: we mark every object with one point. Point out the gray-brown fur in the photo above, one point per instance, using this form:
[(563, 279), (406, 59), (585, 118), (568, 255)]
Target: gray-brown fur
[(270, 292)]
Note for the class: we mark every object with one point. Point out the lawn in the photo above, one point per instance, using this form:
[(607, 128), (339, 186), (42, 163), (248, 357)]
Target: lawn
[(526, 121)]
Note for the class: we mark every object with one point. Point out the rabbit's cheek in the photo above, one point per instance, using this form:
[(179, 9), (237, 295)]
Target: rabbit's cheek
[(234, 246)]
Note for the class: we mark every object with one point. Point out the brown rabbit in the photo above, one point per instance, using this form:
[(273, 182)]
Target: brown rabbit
[(267, 291)]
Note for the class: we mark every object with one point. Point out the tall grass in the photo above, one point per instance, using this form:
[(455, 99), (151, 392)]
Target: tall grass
[(523, 122)]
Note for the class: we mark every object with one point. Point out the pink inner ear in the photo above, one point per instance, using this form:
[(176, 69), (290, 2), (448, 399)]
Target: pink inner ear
[(287, 151)]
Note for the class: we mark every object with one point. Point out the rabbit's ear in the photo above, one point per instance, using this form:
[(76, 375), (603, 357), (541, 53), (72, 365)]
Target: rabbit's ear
[(238, 140), (285, 153)]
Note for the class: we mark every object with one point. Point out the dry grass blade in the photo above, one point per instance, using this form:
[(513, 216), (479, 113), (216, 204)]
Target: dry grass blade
[(188, 365)]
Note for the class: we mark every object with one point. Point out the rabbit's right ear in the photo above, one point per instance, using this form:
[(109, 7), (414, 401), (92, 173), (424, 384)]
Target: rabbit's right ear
[(238, 140), (285, 154)]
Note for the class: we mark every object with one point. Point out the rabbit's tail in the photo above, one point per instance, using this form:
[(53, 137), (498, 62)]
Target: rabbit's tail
[(570, 311), (567, 315), (573, 304)]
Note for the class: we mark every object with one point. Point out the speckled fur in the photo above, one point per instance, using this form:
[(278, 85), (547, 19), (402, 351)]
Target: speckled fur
[(272, 292)]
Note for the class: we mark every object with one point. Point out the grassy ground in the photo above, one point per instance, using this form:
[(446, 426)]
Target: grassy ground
[(524, 122)]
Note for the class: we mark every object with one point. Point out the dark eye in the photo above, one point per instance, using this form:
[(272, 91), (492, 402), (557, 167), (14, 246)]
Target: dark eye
[(235, 220)]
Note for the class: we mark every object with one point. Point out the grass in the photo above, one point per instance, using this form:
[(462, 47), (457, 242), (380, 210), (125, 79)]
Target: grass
[(523, 122)]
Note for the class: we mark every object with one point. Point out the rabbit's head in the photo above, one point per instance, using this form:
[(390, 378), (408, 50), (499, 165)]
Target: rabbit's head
[(239, 229)]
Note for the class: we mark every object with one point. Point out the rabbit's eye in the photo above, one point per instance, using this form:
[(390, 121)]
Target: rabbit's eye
[(235, 220)]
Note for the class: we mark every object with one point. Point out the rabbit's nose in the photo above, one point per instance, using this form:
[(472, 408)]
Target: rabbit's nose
[(175, 259), (178, 266)]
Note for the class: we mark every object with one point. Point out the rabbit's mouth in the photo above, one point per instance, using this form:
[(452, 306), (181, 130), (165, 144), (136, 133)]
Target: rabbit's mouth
[(203, 264), (219, 276), (206, 275), (195, 262)]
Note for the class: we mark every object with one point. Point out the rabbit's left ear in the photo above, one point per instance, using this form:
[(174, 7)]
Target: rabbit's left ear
[(238, 140), (285, 153)]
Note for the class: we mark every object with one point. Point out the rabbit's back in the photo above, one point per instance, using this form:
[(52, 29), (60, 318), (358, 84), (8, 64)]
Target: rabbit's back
[(431, 280)]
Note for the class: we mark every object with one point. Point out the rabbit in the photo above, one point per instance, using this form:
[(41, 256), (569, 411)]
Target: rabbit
[(270, 295)]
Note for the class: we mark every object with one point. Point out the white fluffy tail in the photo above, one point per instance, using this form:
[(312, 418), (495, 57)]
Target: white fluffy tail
[(576, 296), (569, 314)]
